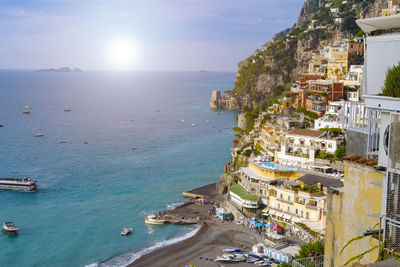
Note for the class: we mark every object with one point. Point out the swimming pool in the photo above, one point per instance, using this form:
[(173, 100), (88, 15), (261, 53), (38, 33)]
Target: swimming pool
[(276, 166)]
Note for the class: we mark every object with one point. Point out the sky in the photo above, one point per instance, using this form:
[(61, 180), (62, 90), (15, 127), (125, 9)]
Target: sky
[(155, 35)]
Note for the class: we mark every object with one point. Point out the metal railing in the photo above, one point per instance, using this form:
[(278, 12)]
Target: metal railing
[(317, 261), (356, 117)]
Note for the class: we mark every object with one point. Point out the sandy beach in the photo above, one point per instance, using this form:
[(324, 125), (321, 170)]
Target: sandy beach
[(208, 242)]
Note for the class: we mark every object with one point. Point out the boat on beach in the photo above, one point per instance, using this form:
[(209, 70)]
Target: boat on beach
[(231, 250), (9, 227), (25, 184), (126, 231), (153, 219)]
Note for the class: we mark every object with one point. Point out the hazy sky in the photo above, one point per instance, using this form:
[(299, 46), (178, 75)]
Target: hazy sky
[(164, 34)]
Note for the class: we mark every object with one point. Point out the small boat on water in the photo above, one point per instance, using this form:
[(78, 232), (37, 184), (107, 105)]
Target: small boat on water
[(26, 112), (62, 141), (86, 143), (67, 110), (39, 135), (17, 184), (9, 227), (27, 107), (1, 125), (126, 231), (157, 110), (153, 219), (134, 148)]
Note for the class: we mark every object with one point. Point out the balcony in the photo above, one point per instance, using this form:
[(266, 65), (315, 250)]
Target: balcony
[(311, 207), (284, 200), (299, 202)]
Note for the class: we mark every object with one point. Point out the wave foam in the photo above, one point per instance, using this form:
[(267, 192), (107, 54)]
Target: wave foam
[(128, 258)]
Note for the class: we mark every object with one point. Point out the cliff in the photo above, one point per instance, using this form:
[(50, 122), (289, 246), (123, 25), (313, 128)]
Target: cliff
[(270, 70)]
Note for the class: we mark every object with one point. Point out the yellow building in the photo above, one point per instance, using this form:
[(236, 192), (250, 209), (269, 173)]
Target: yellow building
[(393, 9), (351, 212), (271, 136), (337, 63), (317, 64)]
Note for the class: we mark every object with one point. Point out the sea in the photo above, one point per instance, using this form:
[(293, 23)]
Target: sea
[(89, 191)]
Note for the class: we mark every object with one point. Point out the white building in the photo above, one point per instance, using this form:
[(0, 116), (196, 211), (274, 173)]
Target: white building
[(303, 140), (328, 121)]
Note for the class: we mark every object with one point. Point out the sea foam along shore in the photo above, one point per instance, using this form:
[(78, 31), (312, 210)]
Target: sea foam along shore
[(129, 257)]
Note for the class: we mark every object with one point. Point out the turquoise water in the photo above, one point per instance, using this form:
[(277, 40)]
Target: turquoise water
[(89, 192)]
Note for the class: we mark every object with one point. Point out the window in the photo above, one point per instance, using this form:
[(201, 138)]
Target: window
[(301, 213), (279, 206), (307, 215), (330, 146), (297, 211), (288, 198), (288, 209), (302, 142), (281, 196)]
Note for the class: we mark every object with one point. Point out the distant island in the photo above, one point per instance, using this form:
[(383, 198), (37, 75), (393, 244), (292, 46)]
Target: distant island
[(62, 69)]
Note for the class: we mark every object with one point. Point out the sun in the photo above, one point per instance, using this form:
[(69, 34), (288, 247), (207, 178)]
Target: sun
[(122, 54)]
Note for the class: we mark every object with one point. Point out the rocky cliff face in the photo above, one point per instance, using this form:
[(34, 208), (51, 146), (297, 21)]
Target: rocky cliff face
[(263, 76)]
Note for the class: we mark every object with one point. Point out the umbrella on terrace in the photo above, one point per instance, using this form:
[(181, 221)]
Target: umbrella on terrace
[(269, 224), (277, 227)]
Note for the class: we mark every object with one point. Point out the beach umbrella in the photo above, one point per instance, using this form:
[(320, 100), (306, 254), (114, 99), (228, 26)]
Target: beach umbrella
[(253, 220), (259, 224), (269, 224), (277, 226)]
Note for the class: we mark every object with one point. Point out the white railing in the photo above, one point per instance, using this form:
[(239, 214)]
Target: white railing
[(317, 261), (354, 116), (357, 117)]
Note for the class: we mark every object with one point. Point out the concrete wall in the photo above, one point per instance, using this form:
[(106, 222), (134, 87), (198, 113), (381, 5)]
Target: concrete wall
[(356, 143), (349, 215)]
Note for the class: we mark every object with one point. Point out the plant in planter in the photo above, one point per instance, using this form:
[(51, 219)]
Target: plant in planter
[(391, 87)]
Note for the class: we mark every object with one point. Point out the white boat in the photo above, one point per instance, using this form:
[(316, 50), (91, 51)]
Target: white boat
[(126, 231), (9, 227), (152, 219), (25, 184)]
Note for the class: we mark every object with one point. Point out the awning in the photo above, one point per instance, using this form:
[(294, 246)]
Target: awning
[(279, 214), (287, 216), (272, 212), (379, 23)]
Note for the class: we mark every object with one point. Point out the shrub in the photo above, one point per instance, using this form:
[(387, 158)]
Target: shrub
[(391, 87)]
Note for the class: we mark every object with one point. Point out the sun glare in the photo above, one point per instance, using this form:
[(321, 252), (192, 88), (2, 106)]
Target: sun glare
[(122, 55)]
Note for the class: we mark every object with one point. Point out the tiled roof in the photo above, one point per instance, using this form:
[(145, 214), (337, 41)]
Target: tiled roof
[(305, 132)]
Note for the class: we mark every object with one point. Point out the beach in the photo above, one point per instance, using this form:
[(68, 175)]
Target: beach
[(208, 243)]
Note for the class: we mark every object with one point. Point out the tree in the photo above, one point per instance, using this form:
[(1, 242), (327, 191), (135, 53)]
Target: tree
[(391, 87), (310, 249)]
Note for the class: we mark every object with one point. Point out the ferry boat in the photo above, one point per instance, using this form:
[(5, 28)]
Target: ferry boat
[(25, 184), (9, 227)]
